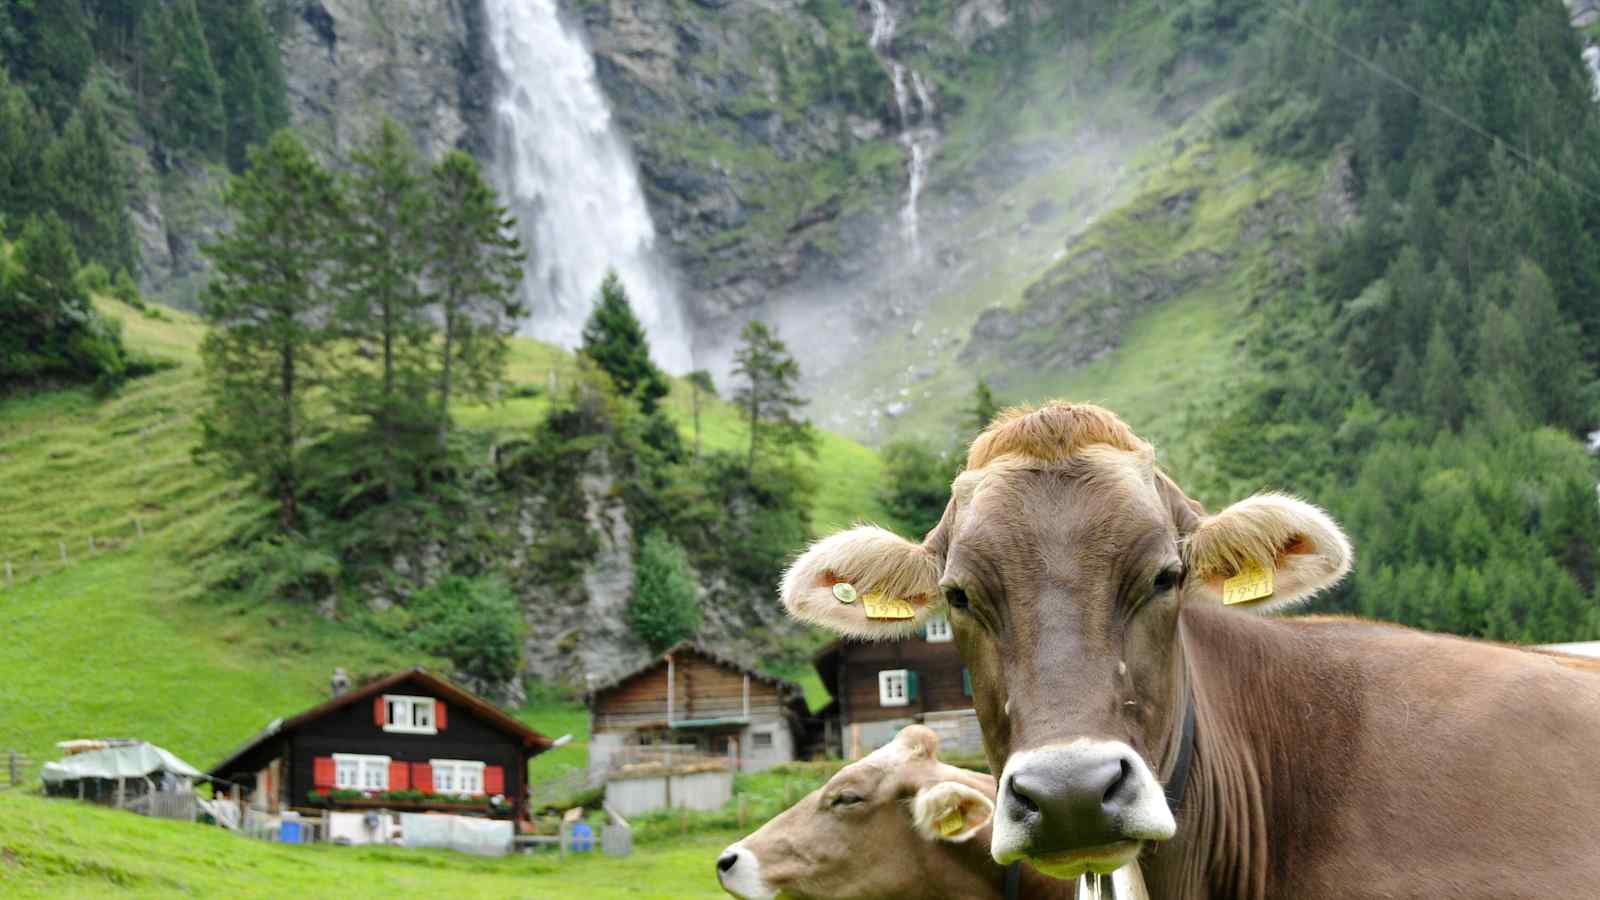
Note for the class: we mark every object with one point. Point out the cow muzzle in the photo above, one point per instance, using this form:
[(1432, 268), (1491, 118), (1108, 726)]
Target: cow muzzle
[(1087, 806), (739, 873)]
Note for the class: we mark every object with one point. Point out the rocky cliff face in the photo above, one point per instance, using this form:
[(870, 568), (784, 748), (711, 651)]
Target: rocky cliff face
[(347, 63)]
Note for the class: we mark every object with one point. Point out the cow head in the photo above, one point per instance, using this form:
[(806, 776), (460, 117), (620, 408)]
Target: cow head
[(1063, 560), (885, 826)]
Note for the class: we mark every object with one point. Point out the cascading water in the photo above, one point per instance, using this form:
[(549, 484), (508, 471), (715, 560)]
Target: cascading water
[(917, 135), (572, 184)]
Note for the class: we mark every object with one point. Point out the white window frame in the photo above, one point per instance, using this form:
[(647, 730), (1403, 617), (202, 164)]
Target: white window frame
[(377, 767), (894, 687), (938, 630), (400, 714), (458, 770)]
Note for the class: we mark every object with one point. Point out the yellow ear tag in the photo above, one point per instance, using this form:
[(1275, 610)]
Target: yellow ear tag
[(882, 606), (952, 822), (1252, 583), (844, 592)]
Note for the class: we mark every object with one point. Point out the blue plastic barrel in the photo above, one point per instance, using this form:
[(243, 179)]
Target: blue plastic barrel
[(582, 837), (289, 833)]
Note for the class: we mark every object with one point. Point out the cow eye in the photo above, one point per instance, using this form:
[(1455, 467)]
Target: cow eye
[(956, 597), (845, 798), (1167, 579)]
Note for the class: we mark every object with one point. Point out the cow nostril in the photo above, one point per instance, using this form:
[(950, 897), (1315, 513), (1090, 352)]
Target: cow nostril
[(727, 861), (1116, 784), (1029, 805)]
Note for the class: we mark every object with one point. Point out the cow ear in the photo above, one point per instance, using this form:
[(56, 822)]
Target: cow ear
[(950, 811), (864, 583), (1269, 553)]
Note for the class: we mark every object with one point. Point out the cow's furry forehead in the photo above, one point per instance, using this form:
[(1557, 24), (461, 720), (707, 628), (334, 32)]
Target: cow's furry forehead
[(1052, 433)]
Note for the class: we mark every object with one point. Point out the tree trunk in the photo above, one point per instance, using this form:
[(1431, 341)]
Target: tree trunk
[(288, 513), (444, 371), (387, 398), (750, 462)]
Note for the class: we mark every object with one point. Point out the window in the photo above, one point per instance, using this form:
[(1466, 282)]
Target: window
[(938, 630), (894, 688), (413, 715), (761, 740), (360, 773), (457, 776)]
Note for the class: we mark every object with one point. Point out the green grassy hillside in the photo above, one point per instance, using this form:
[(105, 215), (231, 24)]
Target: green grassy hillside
[(125, 640)]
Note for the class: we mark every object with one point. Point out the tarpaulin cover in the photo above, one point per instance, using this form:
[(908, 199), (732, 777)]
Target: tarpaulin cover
[(134, 761), (484, 837)]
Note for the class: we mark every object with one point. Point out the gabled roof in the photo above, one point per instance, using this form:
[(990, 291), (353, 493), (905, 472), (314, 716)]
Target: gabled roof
[(718, 658), (483, 709)]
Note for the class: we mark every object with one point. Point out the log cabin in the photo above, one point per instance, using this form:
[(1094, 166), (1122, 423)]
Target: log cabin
[(880, 687), (693, 696), (409, 741)]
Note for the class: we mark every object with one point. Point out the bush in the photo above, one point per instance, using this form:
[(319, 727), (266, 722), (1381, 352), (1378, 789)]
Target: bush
[(476, 623), (665, 608)]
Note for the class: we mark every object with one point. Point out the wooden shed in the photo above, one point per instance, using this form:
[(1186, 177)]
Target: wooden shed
[(693, 698), (881, 687)]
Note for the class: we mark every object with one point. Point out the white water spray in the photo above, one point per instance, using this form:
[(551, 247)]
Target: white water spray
[(572, 184), (919, 142)]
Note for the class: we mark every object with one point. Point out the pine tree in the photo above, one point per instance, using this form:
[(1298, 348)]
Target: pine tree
[(52, 53), (984, 407), (85, 174), (665, 607), (48, 329), (769, 395), (474, 266), (700, 384), (1443, 397), (615, 340), (381, 307), (266, 307), (254, 96), (21, 125), (178, 79)]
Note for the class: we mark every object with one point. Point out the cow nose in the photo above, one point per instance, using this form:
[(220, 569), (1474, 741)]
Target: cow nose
[(1073, 807), (1082, 796), (727, 862)]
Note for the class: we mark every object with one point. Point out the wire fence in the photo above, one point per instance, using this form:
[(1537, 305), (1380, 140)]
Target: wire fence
[(15, 572)]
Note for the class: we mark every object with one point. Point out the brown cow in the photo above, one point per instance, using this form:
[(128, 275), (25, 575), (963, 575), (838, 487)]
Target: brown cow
[(896, 824), (1138, 708)]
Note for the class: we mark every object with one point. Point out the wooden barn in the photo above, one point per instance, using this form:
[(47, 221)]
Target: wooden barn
[(693, 698), (881, 687), (411, 741)]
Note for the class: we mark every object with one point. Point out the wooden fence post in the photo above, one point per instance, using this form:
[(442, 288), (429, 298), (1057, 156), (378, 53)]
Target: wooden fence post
[(16, 776), (63, 546), (138, 527), (8, 571), (91, 545)]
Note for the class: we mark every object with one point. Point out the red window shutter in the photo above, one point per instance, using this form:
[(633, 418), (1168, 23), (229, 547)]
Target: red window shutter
[(378, 710), (399, 776), (422, 777), (438, 715), (494, 780), (322, 772)]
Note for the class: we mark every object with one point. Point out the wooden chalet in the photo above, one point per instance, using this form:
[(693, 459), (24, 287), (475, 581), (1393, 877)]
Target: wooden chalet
[(881, 687), (692, 697), (410, 741)]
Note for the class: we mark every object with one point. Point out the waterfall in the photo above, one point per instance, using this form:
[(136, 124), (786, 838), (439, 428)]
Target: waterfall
[(571, 182), (917, 135)]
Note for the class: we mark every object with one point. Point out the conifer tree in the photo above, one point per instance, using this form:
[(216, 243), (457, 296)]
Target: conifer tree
[(85, 175), (245, 50), (615, 340), (474, 266), (769, 394), (984, 407), (1443, 398), (665, 606), (21, 125), (700, 384), (51, 52), (381, 306), (48, 329), (267, 305), (178, 78)]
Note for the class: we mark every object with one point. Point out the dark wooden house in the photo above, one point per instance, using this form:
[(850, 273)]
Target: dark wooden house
[(410, 741), (692, 696), (880, 687)]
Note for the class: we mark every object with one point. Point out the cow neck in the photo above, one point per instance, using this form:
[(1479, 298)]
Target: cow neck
[(1221, 848)]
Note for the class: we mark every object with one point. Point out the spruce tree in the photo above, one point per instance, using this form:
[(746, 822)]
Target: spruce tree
[(178, 78), (21, 125), (1443, 396), (267, 305), (381, 306), (85, 174), (700, 384), (615, 340), (48, 329), (769, 395), (474, 266), (245, 50), (665, 607), (984, 407)]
